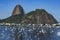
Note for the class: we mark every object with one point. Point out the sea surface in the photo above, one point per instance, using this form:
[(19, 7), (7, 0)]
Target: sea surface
[(29, 33)]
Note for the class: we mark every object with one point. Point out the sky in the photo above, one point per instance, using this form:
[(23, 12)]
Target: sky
[(51, 6)]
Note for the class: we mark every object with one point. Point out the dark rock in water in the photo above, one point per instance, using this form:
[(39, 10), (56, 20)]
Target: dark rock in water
[(40, 16), (18, 10)]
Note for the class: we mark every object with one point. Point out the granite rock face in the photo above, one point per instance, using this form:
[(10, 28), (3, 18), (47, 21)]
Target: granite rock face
[(18, 10), (39, 16)]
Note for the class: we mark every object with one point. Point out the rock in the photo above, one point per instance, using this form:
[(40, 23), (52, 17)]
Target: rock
[(40, 16), (18, 10)]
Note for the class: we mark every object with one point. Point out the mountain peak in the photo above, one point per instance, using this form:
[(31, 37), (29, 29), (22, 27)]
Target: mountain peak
[(18, 10)]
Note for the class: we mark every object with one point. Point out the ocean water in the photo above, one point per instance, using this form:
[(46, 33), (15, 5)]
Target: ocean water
[(29, 33)]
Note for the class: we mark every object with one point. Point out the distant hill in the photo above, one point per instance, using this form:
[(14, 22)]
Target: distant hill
[(39, 16), (13, 19)]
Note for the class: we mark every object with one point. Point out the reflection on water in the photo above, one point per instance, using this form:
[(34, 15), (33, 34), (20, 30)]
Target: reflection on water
[(29, 33)]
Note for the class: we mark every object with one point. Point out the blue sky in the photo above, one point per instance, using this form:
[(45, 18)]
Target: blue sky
[(51, 6)]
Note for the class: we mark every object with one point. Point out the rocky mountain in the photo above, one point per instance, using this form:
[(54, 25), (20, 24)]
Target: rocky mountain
[(16, 17), (18, 10), (39, 16)]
